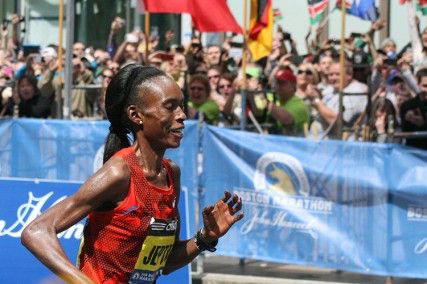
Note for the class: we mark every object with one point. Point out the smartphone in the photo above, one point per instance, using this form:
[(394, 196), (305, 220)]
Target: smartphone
[(154, 31), (236, 44), (354, 35), (390, 62), (196, 45), (286, 36), (28, 49)]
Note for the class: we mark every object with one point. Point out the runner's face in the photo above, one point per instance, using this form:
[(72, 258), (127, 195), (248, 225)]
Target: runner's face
[(163, 115)]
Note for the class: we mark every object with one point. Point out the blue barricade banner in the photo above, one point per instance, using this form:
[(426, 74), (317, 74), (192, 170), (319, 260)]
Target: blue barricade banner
[(358, 207), (72, 151), (23, 200)]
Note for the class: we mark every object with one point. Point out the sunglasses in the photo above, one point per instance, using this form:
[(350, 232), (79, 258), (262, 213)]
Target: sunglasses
[(224, 86), (197, 88), (307, 72)]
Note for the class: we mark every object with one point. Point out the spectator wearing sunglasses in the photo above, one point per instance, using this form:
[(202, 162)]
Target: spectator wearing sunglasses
[(307, 80), (106, 77), (232, 109), (214, 73), (306, 76)]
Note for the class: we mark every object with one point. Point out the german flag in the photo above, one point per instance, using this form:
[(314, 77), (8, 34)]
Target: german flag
[(260, 41)]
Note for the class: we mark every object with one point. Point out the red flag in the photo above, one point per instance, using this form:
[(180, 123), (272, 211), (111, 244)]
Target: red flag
[(208, 15), (166, 6), (213, 16)]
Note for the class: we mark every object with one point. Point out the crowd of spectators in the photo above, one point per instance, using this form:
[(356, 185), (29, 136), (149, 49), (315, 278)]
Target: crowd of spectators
[(287, 93)]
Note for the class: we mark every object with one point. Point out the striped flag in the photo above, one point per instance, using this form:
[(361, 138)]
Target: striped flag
[(316, 9), (260, 41), (421, 5), (277, 14)]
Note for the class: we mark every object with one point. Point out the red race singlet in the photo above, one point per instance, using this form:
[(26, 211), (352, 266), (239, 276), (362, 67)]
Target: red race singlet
[(132, 242)]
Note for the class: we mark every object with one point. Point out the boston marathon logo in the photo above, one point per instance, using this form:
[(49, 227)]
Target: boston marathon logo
[(281, 185), (280, 172)]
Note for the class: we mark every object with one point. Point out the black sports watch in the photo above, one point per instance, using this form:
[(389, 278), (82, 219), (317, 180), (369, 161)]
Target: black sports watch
[(202, 244)]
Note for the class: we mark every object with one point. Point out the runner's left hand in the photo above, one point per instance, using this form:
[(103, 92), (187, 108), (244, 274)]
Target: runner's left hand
[(219, 218)]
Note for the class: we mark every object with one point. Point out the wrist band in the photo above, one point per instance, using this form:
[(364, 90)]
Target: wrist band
[(202, 244)]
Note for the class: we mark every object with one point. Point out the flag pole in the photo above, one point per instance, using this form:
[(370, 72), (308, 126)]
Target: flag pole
[(68, 72), (342, 72), (147, 34), (60, 63), (244, 58)]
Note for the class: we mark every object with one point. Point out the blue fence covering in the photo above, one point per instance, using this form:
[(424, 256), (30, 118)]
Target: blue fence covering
[(23, 200), (358, 207)]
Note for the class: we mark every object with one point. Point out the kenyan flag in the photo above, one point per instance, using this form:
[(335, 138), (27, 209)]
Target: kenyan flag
[(316, 9), (277, 14), (422, 6)]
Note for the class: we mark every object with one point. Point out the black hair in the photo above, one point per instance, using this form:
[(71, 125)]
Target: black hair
[(123, 91), (384, 105), (32, 80), (421, 73)]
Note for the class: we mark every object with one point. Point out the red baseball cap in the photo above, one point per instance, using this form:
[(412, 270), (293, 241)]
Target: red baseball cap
[(286, 75)]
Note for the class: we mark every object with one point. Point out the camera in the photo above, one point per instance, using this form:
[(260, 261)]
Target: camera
[(355, 35), (334, 41), (286, 36), (196, 45), (390, 61)]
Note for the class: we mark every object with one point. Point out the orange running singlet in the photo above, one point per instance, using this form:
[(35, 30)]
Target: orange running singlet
[(131, 243)]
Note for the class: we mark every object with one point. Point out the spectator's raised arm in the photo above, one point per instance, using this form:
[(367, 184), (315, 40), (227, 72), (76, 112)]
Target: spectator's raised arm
[(116, 26)]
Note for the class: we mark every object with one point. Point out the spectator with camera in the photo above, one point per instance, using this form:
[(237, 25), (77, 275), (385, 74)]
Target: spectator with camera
[(82, 100), (289, 113), (27, 100), (413, 112), (128, 52), (354, 103), (232, 108)]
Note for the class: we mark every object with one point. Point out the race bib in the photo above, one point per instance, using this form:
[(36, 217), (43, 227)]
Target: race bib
[(155, 251)]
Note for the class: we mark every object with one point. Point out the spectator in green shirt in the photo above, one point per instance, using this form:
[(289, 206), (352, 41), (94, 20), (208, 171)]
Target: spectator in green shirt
[(200, 103), (289, 111)]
